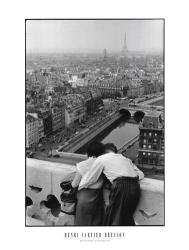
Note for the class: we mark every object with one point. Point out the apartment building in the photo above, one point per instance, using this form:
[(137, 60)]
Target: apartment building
[(151, 141)]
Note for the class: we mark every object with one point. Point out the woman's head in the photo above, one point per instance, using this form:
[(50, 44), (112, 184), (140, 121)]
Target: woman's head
[(110, 147), (95, 149)]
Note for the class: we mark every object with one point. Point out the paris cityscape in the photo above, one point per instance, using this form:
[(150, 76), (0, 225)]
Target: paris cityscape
[(76, 97)]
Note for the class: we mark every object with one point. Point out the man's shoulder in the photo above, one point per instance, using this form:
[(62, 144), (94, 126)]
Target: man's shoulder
[(104, 156)]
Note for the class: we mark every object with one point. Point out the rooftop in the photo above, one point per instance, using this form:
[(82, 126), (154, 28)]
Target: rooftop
[(30, 118)]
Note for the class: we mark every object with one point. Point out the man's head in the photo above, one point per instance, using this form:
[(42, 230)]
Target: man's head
[(110, 147), (95, 149)]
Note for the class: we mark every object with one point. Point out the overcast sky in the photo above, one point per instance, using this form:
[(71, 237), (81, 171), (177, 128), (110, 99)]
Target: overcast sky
[(90, 35)]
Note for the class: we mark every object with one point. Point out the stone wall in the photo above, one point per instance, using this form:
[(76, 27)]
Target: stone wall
[(43, 178)]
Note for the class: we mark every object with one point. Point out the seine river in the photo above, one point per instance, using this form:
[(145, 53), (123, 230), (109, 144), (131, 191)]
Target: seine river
[(119, 133)]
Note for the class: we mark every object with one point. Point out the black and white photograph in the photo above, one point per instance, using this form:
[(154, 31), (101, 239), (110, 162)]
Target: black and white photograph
[(94, 122)]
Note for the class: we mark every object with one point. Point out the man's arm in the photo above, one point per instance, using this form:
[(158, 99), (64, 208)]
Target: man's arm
[(92, 175), (138, 171)]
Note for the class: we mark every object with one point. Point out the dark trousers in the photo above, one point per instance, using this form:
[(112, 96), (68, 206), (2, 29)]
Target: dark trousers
[(123, 200), (90, 207)]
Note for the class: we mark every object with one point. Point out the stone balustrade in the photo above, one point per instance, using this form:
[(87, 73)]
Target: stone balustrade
[(43, 178)]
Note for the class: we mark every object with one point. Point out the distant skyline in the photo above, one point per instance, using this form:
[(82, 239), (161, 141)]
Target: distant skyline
[(93, 35)]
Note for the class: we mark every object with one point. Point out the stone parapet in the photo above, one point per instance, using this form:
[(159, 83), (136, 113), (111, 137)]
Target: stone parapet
[(43, 178)]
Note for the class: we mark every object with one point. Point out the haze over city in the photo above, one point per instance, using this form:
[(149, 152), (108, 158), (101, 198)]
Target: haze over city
[(47, 36)]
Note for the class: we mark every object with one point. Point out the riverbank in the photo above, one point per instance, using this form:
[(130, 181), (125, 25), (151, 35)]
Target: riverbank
[(95, 131), (158, 103)]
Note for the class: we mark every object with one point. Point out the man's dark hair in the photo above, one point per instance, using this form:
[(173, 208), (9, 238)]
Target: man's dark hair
[(95, 149), (110, 146)]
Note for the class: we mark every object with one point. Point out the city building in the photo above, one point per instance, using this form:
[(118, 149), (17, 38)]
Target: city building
[(32, 131), (58, 118), (46, 116), (88, 100), (41, 134), (75, 81), (40, 129), (97, 102), (110, 104), (75, 110), (111, 87), (151, 140), (136, 91)]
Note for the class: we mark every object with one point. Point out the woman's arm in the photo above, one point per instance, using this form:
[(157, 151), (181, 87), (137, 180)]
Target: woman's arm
[(92, 175), (76, 180)]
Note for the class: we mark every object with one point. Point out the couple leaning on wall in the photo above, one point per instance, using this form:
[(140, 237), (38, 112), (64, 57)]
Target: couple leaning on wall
[(106, 169)]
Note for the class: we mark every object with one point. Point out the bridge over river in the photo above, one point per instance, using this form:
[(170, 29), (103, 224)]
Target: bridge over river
[(139, 110)]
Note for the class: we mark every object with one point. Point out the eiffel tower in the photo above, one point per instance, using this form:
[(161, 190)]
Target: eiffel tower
[(124, 49)]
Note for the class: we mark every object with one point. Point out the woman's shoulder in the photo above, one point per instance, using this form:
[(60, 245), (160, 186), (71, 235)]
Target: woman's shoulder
[(86, 163)]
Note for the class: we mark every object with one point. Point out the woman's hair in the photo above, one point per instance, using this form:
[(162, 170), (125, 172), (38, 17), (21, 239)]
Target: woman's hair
[(110, 146), (95, 149)]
